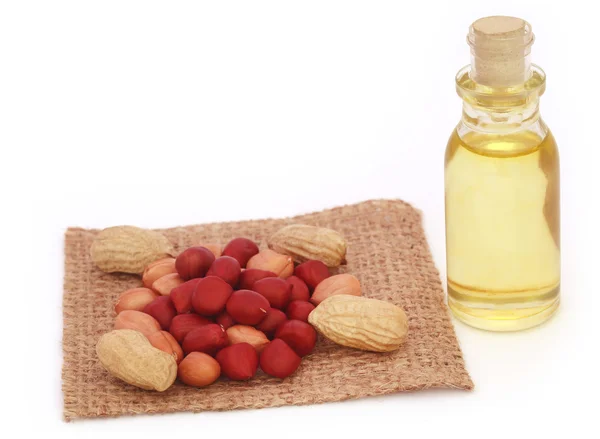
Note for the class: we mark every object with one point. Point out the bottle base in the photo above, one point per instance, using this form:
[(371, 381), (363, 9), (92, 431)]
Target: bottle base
[(503, 320)]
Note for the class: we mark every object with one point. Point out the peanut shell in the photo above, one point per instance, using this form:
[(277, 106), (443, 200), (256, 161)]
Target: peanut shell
[(304, 243), (361, 323), (128, 249), (129, 356)]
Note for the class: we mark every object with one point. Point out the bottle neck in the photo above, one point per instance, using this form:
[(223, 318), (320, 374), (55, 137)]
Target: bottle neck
[(500, 120), (500, 109)]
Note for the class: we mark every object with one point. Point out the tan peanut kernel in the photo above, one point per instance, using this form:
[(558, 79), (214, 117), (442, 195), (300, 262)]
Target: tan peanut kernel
[(134, 299), (215, 249), (158, 269), (247, 334), (336, 285), (269, 260)]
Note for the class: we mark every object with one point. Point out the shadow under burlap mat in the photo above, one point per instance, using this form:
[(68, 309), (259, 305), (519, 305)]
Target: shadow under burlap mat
[(387, 251)]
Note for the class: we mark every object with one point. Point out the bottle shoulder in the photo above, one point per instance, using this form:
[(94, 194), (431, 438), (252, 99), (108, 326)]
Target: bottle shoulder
[(501, 144)]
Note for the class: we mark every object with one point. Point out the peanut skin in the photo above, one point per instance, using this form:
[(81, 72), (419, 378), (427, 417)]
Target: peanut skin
[(198, 370), (279, 360), (269, 260), (250, 276), (299, 310), (300, 336), (184, 323), (165, 342), (162, 310), (208, 339), (181, 296), (247, 307), (238, 362), (312, 273), (227, 268), (158, 269), (135, 299), (165, 284), (194, 262), (299, 289), (241, 249), (138, 321), (247, 334), (345, 284), (271, 322), (210, 296), (276, 290)]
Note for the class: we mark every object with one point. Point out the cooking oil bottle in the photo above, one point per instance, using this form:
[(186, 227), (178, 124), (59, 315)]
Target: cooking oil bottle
[(502, 186)]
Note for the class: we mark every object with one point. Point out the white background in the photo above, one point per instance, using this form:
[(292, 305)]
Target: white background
[(172, 113)]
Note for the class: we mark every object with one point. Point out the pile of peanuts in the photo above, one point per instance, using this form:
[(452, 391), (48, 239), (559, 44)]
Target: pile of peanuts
[(227, 313)]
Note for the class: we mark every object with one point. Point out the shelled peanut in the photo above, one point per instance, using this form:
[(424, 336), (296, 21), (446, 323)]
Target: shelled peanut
[(228, 311)]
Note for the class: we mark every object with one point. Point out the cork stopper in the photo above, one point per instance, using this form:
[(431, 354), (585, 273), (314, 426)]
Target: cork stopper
[(500, 48)]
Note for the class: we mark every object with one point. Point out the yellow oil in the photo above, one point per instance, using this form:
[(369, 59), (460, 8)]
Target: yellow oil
[(502, 228)]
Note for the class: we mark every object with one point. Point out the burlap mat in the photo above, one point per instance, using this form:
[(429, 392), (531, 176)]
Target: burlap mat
[(387, 251)]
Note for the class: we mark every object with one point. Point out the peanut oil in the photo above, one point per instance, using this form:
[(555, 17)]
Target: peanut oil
[(502, 187)]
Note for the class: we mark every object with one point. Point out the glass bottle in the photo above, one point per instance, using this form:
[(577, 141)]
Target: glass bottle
[(502, 186)]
